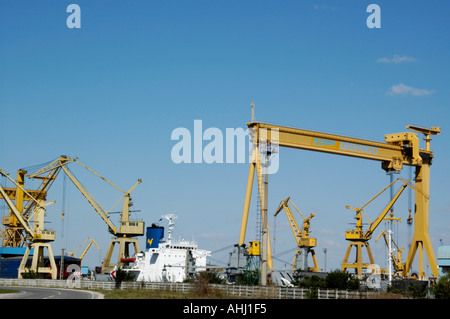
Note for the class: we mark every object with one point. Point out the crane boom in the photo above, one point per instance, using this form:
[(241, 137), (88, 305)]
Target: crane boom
[(17, 214), (373, 225), (291, 219), (97, 207)]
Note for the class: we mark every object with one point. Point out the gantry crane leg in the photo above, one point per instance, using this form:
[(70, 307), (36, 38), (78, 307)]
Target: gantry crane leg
[(306, 251), (124, 245), (358, 265), (37, 262), (314, 258), (255, 165), (421, 237), (248, 196)]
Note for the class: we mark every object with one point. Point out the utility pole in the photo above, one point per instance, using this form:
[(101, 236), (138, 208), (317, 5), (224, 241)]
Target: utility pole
[(61, 265), (325, 260)]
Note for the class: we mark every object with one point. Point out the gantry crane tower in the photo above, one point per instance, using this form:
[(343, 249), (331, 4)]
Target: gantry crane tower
[(37, 238), (359, 238), (124, 235), (398, 150), (305, 243)]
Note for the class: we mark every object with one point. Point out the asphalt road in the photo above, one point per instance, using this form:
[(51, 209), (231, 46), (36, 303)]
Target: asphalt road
[(49, 293)]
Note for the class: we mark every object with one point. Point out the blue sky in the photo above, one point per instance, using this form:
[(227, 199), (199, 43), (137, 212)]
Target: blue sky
[(113, 91)]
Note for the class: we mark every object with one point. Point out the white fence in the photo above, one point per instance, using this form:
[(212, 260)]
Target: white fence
[(229, 290)]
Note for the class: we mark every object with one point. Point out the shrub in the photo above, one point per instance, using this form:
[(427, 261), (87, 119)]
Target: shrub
[(201, 284), (30, 274), (442, 288), (122, 275), (339, 279)]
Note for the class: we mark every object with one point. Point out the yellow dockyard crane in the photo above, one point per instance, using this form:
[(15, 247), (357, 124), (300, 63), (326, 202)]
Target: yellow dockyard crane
[(305, 243), (37, 237), (399, 267), (91, 241), (360, 239), (128, 229), (397, 150), (25, 202)]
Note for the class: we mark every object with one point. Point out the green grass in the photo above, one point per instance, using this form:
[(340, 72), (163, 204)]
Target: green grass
[(8, 291)]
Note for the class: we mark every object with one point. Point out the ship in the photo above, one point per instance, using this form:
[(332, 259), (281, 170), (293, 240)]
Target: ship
[(168, 260)]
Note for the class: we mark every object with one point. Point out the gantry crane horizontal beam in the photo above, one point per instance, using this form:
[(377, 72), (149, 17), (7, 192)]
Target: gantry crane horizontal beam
[(400, 149)]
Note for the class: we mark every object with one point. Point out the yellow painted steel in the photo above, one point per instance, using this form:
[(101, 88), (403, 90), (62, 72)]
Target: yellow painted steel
[(360, 239), (399, 149), (399, 267), (301, 236), (253, 248), (124, 232), (38, 236), (91, 241), (128, 228)]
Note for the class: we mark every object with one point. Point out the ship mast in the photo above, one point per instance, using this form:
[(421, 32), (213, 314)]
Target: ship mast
[(171, 218)]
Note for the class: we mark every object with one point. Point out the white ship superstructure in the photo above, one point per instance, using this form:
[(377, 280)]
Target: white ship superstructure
[(169, 260)]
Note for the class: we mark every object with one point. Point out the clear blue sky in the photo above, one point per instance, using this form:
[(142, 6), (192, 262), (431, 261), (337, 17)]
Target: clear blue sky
[(112, 92)]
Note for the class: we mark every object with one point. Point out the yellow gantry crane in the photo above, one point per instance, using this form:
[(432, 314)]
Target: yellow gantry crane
[(305, 243), (399, 149), (128, 229), (360, 239), (37, 237)]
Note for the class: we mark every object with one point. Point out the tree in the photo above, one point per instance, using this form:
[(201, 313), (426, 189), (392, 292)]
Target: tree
[(442, 288), (122, 275), (339, 279)]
